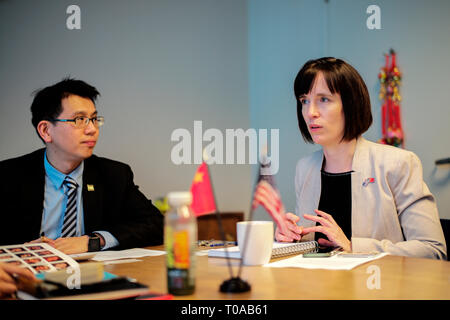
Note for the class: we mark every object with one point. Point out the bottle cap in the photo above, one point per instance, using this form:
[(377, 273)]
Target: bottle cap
[(179, 198)]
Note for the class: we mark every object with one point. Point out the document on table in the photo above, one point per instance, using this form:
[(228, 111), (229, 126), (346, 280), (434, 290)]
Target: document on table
[(121, 254), (335, 262), (127, 254)]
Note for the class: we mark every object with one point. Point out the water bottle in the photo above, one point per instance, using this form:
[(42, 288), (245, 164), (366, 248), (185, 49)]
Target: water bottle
[(180, 239)]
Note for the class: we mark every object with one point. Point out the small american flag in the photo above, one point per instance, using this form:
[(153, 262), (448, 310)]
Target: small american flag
[(267, 195), (367, 181)]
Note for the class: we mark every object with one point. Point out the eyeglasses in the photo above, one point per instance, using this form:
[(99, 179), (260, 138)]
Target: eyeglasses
[(83, 122)]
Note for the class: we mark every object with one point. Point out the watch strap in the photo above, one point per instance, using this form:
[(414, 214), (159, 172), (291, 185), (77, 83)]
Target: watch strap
[(94, 242)]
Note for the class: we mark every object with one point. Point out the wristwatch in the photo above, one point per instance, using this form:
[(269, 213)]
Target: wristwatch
[(94, 242)]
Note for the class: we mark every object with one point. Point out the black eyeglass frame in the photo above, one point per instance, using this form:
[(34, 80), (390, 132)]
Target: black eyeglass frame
[(97, 121)]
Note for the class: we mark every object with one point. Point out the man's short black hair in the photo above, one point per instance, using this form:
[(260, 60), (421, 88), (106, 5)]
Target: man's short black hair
[(341, 78), (47, 102)]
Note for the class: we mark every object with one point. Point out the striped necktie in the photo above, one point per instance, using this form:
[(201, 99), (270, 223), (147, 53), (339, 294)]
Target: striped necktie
[(70, 217)]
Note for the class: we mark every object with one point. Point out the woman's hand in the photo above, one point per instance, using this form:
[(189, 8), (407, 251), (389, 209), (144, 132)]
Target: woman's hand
[(329, 227), (291, 230)]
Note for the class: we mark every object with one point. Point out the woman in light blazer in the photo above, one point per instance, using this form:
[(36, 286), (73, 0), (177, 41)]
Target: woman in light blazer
[(355, 194)]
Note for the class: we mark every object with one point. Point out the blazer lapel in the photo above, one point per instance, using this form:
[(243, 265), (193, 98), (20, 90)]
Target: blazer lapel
[(33, 190), (92, 195), (316, 178), (361, 171), (310, 192)]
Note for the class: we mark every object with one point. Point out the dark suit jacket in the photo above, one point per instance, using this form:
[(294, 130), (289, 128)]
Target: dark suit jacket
[(116, 205)]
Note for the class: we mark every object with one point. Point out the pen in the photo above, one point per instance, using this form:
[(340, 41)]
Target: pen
[(336, 251), (215, 244)]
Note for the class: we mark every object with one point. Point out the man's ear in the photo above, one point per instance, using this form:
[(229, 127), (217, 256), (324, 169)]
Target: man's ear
[(43, 128)]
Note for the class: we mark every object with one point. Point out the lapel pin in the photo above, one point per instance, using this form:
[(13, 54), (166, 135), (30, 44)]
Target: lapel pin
[(90, 187), (367, 181)]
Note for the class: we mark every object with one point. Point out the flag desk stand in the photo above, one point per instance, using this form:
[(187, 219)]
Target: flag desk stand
[(235, 285), (204, 202), (272, 203)]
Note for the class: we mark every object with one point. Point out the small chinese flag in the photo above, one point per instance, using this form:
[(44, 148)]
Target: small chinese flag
[(203, 201)]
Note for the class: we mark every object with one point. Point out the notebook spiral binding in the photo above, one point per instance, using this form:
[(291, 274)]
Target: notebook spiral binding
[(297, 248)]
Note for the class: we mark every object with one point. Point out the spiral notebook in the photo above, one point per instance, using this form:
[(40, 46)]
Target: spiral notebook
[(279, 249)]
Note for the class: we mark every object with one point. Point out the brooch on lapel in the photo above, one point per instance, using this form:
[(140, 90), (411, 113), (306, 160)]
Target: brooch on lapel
[(367, 181), (90, 187)]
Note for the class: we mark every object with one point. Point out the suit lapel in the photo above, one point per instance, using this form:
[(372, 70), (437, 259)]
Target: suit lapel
[(310, 192), (92, 195), (33, 189), (316, 177), (360, 167)]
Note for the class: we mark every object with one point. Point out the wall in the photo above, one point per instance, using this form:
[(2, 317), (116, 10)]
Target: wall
[(283, 35), (159, 65), (419, 33)]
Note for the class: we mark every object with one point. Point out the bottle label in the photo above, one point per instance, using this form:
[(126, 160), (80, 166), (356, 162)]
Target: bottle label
[(181, 249), (177, 247)]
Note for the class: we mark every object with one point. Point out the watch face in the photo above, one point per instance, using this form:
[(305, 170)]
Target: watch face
[(94, 243)]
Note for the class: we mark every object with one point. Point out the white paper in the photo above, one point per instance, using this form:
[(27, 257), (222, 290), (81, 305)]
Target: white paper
[(233, 252), (126, 254), (120, 261), (82, 256), (332, 263)]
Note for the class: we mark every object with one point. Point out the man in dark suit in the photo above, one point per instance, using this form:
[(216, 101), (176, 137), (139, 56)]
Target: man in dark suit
[(63, 194)]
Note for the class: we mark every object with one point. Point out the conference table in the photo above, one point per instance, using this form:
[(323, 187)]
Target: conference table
[(400, 278)]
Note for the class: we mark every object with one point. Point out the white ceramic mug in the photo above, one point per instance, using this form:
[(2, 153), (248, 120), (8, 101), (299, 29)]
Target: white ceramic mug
[(258, 249)]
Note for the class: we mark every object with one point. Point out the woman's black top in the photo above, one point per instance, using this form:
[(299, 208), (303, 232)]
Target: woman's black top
[(336, 200)]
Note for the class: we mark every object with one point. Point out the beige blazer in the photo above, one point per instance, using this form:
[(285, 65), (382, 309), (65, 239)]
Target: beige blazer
[(395, 213)]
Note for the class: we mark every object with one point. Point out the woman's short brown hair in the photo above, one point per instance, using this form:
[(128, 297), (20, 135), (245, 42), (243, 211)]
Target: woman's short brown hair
[(341, 78)]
